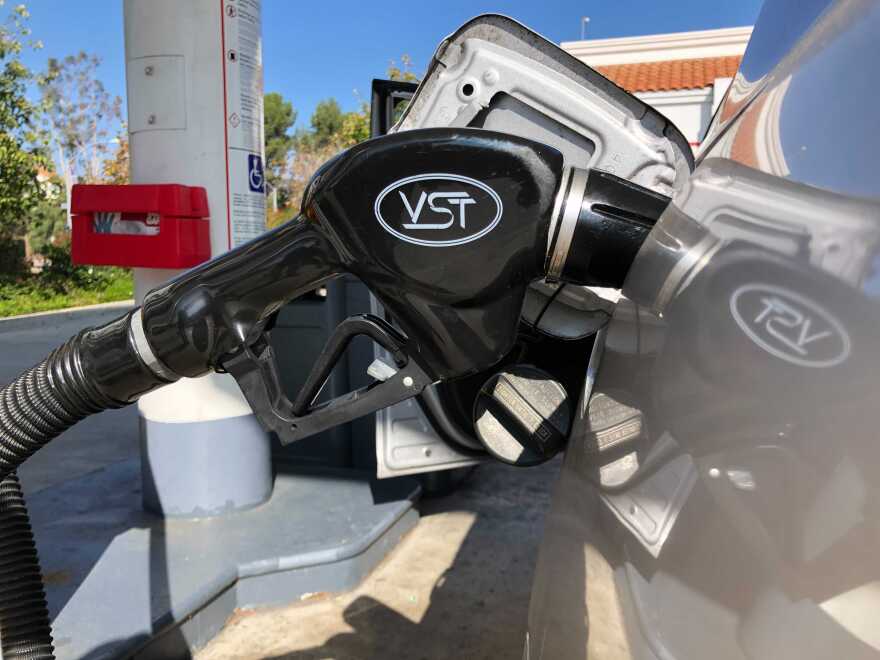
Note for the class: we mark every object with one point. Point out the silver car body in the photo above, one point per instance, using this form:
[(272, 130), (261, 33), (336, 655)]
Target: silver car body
[(719, 497)]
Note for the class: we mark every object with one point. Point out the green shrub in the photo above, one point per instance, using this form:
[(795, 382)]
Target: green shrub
[(11, 258), (61, 274), (62, 284)]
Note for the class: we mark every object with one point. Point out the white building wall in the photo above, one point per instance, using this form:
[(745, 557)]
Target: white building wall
[(689, 109), (661, 47)]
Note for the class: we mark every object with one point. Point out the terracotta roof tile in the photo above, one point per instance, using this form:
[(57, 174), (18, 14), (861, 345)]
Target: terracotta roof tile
[(671, 74)]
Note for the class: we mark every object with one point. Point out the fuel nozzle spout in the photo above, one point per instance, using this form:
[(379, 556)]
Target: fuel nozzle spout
[(599, 223)]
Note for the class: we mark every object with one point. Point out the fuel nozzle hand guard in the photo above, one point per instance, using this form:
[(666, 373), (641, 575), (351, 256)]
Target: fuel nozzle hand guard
[(447, 227), (255, 370)]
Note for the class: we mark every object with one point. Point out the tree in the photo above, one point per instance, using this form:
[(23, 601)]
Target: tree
[(301, 167), (402, 72), (326, 122), (47, 222), (117, 169), (20, 154), (355, 127), (278, 118), (79, 116), (330, 130)]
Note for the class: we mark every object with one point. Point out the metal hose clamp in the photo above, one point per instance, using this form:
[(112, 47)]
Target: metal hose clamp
[(562, 225), (144, 350)]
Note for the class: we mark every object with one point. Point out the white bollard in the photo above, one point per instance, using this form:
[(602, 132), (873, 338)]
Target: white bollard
[(195, 116)]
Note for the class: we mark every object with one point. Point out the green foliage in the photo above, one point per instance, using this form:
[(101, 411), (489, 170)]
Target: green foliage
[(330, 130), (326, 122), (332, 127), (61, 274), (28, 297), (278, 118), (63, 284), (11, 258), (19, 158), (402, 72), (355, 126), (116, 168), (47, 220)]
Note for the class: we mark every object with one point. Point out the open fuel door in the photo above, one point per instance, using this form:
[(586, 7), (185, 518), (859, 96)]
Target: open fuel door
[(495, 73)]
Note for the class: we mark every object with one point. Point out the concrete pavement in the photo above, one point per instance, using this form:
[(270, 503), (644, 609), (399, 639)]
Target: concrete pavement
[(456, 587), (95, 442)]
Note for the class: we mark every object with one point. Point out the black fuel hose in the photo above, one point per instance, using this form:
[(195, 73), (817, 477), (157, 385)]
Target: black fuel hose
[(36, 407), (25, 631), (43, 402)]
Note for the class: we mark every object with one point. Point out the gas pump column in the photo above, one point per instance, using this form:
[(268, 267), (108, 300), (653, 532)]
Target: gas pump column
[(195, 116)]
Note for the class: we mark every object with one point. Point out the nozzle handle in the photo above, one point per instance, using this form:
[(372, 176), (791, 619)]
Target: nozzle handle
[(198, 319), (255, 370)]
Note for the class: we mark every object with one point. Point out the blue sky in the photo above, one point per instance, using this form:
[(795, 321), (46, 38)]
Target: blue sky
[(315, 50)]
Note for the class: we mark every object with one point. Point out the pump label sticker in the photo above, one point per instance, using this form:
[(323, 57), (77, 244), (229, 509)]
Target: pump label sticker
[(243, 108), (789, 325), (438, 210)]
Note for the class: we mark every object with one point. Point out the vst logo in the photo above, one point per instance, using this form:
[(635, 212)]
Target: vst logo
[(439, 210), (789, 325)]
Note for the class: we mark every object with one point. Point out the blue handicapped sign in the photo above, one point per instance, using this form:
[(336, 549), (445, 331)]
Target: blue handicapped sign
[(256, 178)]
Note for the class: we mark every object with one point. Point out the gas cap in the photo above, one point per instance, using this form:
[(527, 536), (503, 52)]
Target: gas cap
[(522, 415)]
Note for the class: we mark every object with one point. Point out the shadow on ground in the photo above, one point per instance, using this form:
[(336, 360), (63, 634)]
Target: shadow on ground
[(457, 587)]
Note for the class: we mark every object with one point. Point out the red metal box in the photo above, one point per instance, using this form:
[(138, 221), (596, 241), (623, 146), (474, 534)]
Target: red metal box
[(150, 226)]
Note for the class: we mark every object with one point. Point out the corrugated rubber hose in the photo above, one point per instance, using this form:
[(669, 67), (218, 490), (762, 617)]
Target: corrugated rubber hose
[(24, 619), (36, 407)]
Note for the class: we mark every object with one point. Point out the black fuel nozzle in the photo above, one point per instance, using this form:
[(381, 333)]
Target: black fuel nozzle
[(446, 227), (599, 223)]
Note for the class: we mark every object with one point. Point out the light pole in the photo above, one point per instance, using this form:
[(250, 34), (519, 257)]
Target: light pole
[(584, 21)]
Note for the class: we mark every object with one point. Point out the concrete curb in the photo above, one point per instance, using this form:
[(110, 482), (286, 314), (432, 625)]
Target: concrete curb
[(139, 586), (96, 313)]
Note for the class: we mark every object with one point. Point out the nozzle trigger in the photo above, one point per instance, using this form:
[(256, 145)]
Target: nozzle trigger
[(255, 370)]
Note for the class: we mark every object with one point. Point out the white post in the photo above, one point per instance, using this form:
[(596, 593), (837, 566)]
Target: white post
[(195, 116)]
